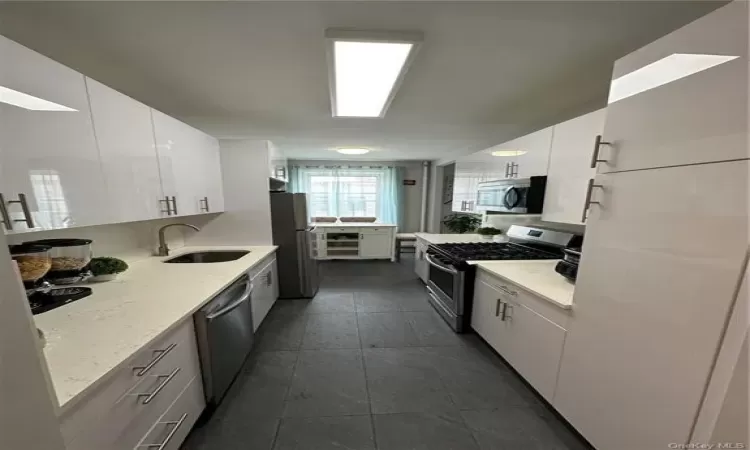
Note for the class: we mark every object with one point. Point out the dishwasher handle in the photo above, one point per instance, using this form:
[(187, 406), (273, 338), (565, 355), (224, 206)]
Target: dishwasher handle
[(232, 306)]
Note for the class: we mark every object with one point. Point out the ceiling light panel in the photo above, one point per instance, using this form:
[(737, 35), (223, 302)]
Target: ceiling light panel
[(661, 72), (353, 151), (30, 102), (366, 69)]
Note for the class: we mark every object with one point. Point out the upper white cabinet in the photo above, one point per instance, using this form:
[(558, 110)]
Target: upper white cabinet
[(701, 117), (533, 154), (570, 168), (189, 166), (49, 156), (466, 180), (128, 154), (277, 163)]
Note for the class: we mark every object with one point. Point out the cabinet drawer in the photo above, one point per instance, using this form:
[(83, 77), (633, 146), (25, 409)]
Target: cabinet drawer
[(171, 429), (375, 230), (116, 410), (343, 230), (543, 307), (260, 266)]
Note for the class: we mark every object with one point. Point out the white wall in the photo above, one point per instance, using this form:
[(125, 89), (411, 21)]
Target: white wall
[(412, 194), (130, 241), (247, 206)]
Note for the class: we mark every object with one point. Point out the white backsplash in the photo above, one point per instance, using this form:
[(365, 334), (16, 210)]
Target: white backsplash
[(130, 241)]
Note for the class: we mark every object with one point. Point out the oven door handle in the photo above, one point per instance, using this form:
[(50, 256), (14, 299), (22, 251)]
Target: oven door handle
[(434, 264)]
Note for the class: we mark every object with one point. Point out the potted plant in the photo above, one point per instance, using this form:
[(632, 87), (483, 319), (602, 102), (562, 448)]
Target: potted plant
[(106, 268), (462, 223), (488, 233)]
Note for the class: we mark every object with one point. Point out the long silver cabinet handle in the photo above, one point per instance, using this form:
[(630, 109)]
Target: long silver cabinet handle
[(142, 370), (587, 202), (168, 211), (505, 311), (151, 395), (204, 204), (497, 307), (4, 213), (177, 424), (174, 205), (597, 145)]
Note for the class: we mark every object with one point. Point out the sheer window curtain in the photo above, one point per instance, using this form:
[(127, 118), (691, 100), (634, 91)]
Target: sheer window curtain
[(351, 191)]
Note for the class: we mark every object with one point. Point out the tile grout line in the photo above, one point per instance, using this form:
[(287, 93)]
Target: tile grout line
[(367, 384), (289, 388)]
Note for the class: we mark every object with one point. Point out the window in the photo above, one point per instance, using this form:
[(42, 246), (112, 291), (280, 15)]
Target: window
[(349, 192)]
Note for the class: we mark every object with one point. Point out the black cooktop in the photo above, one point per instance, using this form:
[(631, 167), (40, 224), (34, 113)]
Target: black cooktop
[(491, 251)]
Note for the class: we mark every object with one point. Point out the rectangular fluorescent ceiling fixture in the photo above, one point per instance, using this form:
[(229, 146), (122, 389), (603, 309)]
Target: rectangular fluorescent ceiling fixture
[(27, 101), (366, 69), (661, 72)]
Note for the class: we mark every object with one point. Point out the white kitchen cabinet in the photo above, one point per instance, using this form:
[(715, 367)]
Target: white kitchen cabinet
[(375, 245), (277, 163), (421, 266), (534, 151), (51, 157), (699, 118), (663, 255), (529, 341), (189, 166), (265, 292), (468, 175), (127, 153), (570, 168)]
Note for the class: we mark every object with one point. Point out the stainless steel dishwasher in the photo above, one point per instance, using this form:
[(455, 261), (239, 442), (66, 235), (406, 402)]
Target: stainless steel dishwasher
[(224, 328)]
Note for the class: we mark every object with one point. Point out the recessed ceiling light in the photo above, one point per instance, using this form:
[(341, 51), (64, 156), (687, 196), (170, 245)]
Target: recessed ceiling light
[(661, 72), (366, 68), (27, 101), (353, 151), (508, 152)]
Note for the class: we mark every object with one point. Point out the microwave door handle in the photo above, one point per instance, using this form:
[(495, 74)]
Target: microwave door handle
[(517, 200)]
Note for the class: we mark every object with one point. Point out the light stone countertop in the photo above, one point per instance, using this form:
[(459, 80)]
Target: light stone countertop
[(350, 224), (433, 238), (537, 277), (89, 338)]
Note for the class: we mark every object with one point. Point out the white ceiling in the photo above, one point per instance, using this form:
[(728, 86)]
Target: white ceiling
[(487, 71)]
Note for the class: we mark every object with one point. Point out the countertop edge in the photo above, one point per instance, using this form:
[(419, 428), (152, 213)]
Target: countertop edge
[(70, 404), (564, 306)]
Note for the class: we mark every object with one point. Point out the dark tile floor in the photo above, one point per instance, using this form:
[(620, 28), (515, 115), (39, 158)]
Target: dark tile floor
[(368, 364)]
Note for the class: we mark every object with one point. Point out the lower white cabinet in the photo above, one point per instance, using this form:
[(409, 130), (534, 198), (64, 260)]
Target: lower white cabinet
[(421, 267), (375, 244), (131, 406), (337, 242), (173, 426), (265, 292), (531, 342)]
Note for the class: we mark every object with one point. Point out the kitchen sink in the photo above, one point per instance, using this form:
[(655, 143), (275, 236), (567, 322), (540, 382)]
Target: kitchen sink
[(213, 256)]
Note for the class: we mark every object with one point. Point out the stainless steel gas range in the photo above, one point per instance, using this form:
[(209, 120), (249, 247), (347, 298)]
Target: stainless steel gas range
[(451, 278)]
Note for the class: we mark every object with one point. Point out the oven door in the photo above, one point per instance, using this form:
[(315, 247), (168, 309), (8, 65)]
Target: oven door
[(445, 285)]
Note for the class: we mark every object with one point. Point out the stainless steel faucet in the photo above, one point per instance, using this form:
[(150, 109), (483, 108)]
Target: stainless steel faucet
[(163, 249)]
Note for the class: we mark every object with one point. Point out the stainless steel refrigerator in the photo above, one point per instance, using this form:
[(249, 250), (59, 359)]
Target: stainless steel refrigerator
[(298, 271)]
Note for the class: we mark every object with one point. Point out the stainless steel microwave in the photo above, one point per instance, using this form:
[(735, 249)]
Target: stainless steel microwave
[(518, 196)]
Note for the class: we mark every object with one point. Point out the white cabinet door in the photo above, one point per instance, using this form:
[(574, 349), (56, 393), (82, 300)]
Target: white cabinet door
[(210, 182), (661, 261), (533, 345), (49, 156), (189, 166), (265, 293), (699, 118), (375, 246), (128, 154), (485, 314), (421, 267), (570, 167), (533, 156)]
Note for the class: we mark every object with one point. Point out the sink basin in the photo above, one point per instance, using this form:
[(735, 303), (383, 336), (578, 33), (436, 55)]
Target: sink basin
[(208, 257)]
